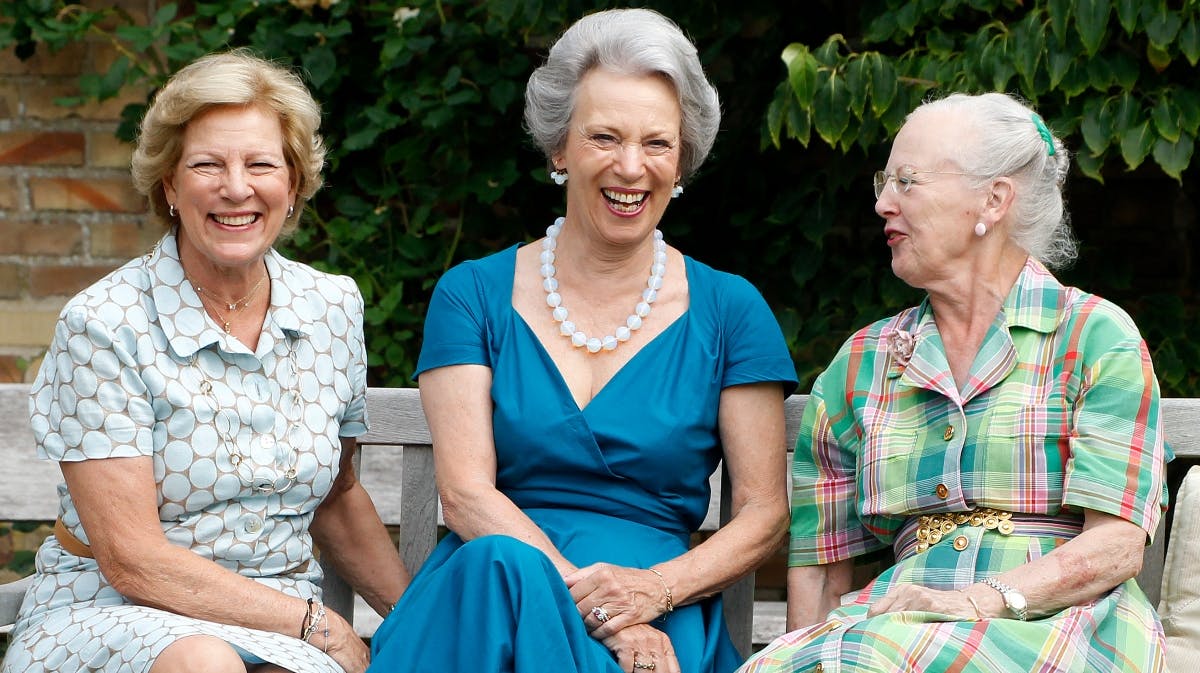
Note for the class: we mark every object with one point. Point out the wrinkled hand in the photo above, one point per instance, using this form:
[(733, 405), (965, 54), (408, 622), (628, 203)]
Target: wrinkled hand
[(915, 597), (646, 645), (344, 645), (628, 595)]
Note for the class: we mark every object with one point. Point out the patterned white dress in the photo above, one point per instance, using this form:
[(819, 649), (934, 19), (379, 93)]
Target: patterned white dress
[(245, 446)]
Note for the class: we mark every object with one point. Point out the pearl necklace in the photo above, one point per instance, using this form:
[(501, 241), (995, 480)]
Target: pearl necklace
[(634, 322)]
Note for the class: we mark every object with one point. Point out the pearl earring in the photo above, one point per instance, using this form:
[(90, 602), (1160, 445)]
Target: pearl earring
[(559, 176), (676, 191), (980, 229)]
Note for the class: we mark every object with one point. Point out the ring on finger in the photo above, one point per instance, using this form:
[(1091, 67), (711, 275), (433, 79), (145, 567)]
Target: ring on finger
[(600, 614), (644, 666)]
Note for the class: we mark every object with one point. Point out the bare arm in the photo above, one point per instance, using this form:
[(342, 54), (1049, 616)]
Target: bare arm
[(458, 406), (351, 535), (813, 591), (116, 501), (1107, 552)]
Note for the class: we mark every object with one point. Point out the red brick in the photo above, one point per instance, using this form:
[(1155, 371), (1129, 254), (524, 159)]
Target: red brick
[(11, 371), (9, 97), (106, 195), (10, 281), (105, 150), (9, 196), (123, 240), (24, 148), (61, 280), (39, 97), (66, 61), (40, 238)]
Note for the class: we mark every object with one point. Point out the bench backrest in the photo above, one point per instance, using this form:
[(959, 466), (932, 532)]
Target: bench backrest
[(398, 445)]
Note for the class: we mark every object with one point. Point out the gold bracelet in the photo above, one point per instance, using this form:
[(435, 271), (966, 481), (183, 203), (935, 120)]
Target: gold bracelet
[(666, 589), (971, 599)]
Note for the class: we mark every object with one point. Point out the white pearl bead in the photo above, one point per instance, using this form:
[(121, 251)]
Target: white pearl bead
[(547, 257), (578, 339), (649, 295), (554, 299), (547, 271), (642, 309), (560, 314), (655, 283), (610, 342), (593, 345), (634, 322), (550, 284), (567, 328)]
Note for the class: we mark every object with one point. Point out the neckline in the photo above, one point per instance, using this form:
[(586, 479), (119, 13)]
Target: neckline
[(561, 380)]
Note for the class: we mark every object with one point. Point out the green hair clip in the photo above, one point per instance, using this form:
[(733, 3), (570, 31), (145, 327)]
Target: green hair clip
[(1043, 132)]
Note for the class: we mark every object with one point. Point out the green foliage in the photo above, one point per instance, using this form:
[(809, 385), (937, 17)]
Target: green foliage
[(1111, 70)]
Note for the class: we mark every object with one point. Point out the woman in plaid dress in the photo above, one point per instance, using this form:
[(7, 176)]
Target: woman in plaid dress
[(1003, 437)]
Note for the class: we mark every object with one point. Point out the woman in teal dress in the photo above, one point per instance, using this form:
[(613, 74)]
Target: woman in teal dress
[(573, 448)]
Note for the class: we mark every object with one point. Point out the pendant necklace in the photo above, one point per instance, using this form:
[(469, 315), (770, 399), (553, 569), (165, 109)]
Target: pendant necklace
[(633, 323), (238, 305)]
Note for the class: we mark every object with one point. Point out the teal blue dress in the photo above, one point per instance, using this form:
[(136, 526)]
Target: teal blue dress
[(624, 480)]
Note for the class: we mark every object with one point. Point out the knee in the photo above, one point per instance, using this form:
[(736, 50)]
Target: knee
[(503, 550), (199, 654)]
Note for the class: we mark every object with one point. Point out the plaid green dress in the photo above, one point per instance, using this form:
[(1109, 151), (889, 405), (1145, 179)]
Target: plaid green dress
[(1061, 413)]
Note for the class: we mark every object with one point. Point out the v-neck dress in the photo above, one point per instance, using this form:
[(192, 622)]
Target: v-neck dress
[(624, 480), (1060, 413), (126, 375)]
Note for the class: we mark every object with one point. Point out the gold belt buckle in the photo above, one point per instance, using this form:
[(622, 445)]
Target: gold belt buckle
[(931, 528)]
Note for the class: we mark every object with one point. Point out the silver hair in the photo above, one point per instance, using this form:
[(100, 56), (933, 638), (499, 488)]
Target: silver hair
[(630, 42), (1007, 142)]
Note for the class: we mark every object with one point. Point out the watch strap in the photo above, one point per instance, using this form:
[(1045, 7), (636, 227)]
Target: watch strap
[(1005, 590)]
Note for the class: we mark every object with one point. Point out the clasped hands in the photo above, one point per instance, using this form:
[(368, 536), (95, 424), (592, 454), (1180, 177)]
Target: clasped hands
[(617, 605)]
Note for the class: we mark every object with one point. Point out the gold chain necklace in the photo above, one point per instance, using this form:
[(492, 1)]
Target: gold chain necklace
[(238, 305)]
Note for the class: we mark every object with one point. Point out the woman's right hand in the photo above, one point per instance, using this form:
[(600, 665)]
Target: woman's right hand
[(343, 644), (644, 645)]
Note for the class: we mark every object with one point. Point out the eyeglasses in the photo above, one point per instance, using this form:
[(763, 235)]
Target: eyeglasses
[(905, 177)]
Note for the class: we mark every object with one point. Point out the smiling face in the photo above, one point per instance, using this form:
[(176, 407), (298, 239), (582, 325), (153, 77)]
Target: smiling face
[(930, 226), (622, 154), (231, 187)]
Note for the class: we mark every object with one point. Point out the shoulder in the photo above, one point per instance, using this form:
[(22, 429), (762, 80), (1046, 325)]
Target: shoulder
[(110, 299), (485, 270), (724, 291)]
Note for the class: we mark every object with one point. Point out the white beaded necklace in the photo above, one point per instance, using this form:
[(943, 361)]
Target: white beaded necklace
[(633, 322)]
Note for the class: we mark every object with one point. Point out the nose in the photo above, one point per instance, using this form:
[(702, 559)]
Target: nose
[(886, 204), (630, 161), (235, 183)]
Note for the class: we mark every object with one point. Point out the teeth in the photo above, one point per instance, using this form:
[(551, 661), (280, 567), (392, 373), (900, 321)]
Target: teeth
[(624, 197), (235, 221)]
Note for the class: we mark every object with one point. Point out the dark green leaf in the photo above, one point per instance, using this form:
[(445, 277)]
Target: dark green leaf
[(857, 80), (320, 64), (1057, 63), (802, 72), (1091, 20), (884, 83), (1166, 119), (1136, 143), (1096, 126), (1059, 12), (1127, 14), (831, 110), (1090, 166), (1159, 58), (1028, 45), (1162, 24), (799, 124), (829, 53), (775, 109), (1187, 102), (1174, 157), (1189, 40)]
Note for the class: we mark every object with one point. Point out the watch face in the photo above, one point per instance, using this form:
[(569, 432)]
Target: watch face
[(1015, 601)]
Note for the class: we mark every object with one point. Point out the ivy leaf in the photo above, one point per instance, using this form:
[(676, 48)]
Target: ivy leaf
[(1127, 112), (1159, 58), (1166, 119), (1136, 143), (1028, 43), (884, 83), (1059, 12), (827, 53), (802, 72), (1189, 41), (1187, 103), (857, 81), (1096, 126), (831, 109), (321, 65), (1090, 166), (1057, 63), (1127, 14), (799, 124), (775, 112), (1173, 157), (1091, 20), (1162, 24)]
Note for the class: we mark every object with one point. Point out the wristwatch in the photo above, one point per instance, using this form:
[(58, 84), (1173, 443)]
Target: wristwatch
[(1013, 600)]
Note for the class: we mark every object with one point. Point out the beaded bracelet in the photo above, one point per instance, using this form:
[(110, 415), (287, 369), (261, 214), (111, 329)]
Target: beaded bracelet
[(666, 589)]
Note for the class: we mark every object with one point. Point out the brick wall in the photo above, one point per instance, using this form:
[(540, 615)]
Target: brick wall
[(68, 211)]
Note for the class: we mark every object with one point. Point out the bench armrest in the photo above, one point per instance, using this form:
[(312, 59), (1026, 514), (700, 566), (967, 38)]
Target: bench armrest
[(11, 595)]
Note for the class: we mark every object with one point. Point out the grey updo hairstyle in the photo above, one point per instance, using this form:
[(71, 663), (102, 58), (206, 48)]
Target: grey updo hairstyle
[(631, 42), (1006, 142)]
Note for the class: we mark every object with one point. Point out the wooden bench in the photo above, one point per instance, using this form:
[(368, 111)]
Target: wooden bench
[(396, 466)]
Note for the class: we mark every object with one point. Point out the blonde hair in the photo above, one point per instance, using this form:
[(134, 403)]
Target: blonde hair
[(232, 78)]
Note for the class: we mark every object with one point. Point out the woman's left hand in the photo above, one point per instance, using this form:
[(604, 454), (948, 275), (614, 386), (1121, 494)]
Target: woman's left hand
[(641, 648), (904, 597), (611, 597)]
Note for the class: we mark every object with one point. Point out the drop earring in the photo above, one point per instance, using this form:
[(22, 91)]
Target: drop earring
[(980, 229), (291, 209), (676, 191), (559, 176), (171, 209)]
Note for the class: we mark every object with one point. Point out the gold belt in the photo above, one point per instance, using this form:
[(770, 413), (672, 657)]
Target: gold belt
[(932, 527)]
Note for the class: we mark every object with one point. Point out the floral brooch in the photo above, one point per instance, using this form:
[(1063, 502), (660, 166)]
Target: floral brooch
[(901, 344)]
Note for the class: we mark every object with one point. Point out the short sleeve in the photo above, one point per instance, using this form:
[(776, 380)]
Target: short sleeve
[(354, 420), (1118, 455), (755, 350), (825, 527), (88, 400), (455, 324)]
